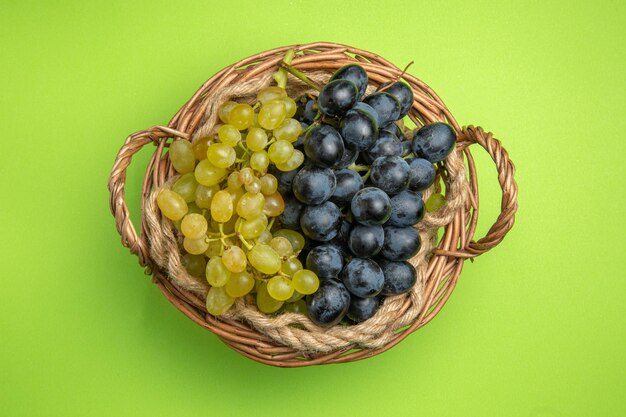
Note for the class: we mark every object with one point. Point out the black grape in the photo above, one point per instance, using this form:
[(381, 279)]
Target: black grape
[(422, 174), (386, 145), (314, 185), (407, 209), (323, 146), (306, 110), (390, 174), (401, 243), (359, 130), (366, 241), (386, 105), (434, 142), (371, 206), (362, 309), (321, 222), (349, 183), (290, 217), (403, 94), (399, 277), (325, 260), (363, 277), (337, 97), (354, 73), (329, 304)]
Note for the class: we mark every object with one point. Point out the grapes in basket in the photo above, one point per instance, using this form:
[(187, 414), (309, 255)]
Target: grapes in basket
[(314, 197)]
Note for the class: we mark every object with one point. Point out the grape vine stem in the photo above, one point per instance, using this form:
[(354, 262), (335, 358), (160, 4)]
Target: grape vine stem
[(299, 75)]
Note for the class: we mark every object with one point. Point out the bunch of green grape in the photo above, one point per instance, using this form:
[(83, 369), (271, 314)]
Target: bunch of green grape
[(225, 203)]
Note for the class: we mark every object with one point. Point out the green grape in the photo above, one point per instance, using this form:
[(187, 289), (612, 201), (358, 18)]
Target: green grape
[(199, 147), (216, 273), (274, 205), (208, 174), (194, 264), (182, 157), (250, 205), (280, 288), (435, 202), (171, 204), (295, 160), (192, 208), (218, 301), (255, 122), (270, 93), (259, 161), (234, 259), (253, 228), (264, 237), (225, 109), (264, 259), (296, 239), (272, 114), (264, 300), (235, 195), (256, 140), (241, 116), (290, 106), (305, 282), (222, 206), (205, 194), (269, 184), (195, 246), (194, 226), (221, 155), (233, 181), (214, 249), (246, 175), (298, 306), (282, 246), (239, 284), (295, 297), (254, 187), (291, 266), (229, 135), (289, 130), (186, 186), (280, 151)]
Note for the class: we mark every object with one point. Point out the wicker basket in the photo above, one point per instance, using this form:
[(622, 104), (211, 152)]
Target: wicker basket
[(292, 340)]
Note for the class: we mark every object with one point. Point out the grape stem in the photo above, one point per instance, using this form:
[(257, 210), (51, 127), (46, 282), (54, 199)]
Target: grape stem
[(299, 75), (358, 168), (280, 76), (223, 236), (245, 242), (311, 126)]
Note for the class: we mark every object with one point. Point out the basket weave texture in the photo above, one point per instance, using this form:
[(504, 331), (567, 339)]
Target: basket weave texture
[(291, 339)]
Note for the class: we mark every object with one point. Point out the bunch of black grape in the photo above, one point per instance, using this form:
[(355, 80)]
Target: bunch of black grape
[(358, 197)]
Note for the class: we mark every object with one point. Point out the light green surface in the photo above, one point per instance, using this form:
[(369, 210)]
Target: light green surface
[(535, 328)]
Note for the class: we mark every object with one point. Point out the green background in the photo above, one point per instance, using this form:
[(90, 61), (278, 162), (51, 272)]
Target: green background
[(535, 328)]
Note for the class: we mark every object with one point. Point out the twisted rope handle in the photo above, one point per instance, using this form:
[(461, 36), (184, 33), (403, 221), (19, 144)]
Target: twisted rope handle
[(506, 171), (117, 181)]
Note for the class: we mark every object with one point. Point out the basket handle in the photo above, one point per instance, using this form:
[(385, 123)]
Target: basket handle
[(117, 181), (506, 170)]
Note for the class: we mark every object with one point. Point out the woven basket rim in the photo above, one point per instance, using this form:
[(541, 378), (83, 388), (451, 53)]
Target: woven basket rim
[(446, 262)]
